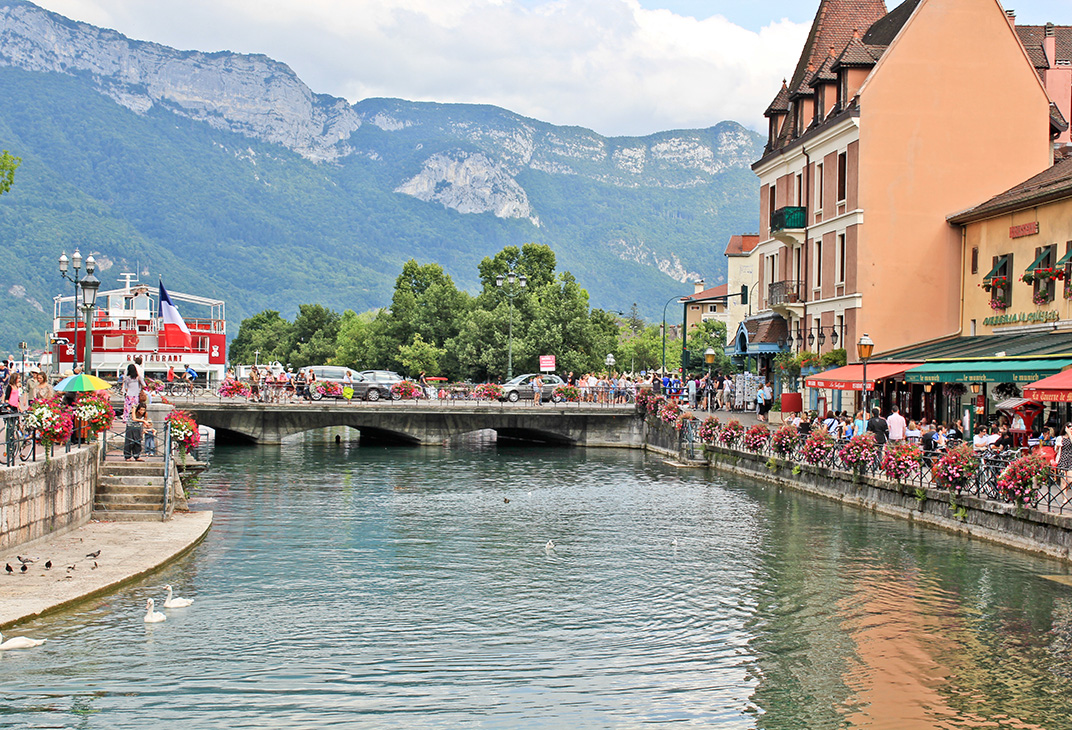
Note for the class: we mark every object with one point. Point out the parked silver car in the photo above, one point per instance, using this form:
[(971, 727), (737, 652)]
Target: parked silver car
[(521, 387), (379, 382)]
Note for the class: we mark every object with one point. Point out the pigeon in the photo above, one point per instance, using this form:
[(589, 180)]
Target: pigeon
[(48, 565), (24, 560), (94, 555), (9, 569), (506, 500), (23, 569), (94, 565), (70, 568)]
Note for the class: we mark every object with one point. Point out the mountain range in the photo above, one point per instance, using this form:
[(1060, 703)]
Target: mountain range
[(227, 176)]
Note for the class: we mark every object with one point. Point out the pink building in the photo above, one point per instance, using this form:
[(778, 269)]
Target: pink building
[(890, 122), (1050, 49)]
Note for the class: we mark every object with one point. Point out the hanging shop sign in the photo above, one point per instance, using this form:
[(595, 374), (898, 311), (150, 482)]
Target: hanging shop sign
[(1024, 229)]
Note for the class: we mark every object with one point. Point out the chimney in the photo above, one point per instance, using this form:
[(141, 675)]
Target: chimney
[(697, 286), (1049, 45), (1010, 15)]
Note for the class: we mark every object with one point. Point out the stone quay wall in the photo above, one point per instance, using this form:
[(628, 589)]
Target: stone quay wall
[(1032, 530), (47, 497)]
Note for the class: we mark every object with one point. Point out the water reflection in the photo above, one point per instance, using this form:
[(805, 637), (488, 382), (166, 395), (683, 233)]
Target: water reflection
[(370, 587)]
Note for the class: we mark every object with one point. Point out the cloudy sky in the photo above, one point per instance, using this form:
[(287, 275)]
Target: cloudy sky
[(620, 67)]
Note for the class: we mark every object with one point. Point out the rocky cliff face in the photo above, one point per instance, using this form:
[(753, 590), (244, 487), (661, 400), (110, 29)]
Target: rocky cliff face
[(472, 159), (253, 95)]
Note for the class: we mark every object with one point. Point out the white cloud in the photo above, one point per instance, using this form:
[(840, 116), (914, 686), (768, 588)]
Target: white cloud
[(610, 65)]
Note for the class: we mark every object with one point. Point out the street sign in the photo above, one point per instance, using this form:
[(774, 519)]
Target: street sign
[(547, 363)]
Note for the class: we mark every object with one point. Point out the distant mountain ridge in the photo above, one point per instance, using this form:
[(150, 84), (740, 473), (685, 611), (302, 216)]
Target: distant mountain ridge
[(635, 214)]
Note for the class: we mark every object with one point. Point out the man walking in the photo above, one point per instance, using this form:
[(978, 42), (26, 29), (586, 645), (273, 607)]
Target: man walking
[(897, 425), (878, 426)]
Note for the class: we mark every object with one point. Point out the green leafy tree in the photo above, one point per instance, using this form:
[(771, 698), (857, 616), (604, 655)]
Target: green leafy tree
[(8, 165), (266, 333), (315, 333), (709, 333), (420, 357), (352, 345)]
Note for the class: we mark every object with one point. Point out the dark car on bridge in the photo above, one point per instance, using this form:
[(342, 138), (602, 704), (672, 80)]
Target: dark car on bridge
[(378, 384), (520, 387)]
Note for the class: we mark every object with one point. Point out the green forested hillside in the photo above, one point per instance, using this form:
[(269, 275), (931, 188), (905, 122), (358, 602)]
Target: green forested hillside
[(223, 215)]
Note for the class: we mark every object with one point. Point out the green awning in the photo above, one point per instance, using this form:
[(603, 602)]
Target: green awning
[(996, 271), (1037, 263), (1004, 370), (1064, 260)]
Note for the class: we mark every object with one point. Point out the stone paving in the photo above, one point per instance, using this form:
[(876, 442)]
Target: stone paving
[(128, 550)]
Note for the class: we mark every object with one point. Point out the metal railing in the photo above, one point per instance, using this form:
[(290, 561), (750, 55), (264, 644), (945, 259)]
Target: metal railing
[(791, 216), (448, 396), (1049, 494), (785, 292)]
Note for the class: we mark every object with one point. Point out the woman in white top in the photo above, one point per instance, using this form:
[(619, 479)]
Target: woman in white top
[(912, 433), (981, 441)]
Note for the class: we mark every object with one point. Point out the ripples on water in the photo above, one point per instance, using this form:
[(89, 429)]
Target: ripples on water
[(371, 587)]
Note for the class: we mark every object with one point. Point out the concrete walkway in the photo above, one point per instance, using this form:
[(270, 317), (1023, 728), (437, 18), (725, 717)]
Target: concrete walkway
[(128, 550)]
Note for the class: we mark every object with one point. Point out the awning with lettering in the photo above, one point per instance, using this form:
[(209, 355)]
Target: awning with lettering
[(851, 377), (998, 370), (1054, 389)]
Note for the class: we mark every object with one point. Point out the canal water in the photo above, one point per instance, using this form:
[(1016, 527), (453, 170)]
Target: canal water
[(373, 587)]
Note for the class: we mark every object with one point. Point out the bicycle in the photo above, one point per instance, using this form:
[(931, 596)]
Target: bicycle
[(184, 388), (18, 440)]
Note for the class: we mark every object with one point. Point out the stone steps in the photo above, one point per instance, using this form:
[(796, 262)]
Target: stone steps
[(130, 491)]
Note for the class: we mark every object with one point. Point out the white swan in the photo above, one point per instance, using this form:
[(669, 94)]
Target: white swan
[(176, 602), (19, 642), (550, 545), (152, 616)]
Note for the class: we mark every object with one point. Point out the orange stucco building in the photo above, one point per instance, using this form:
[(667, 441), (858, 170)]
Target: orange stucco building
[(891, 121)]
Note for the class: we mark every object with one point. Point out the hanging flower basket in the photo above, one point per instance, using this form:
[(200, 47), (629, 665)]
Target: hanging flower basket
[(53, 421), (94, 413), (730, 433), (569, 393), (183, 429), (1041, 298), (488, 391), (709, 430), (859, 452), (901, 459), (956, 470), (785, 440), (755, 438), (998, 305), (1019, 482), (1049, 273)]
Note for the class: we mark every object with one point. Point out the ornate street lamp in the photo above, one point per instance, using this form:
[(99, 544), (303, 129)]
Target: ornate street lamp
[(610, 362), (811, 338), (512, 285), (833, 336), (90, 284), (822, 337), (709, 358), (74, 262), (864, 348)]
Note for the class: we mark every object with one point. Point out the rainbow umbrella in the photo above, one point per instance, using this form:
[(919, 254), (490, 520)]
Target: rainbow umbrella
[(82, 383)]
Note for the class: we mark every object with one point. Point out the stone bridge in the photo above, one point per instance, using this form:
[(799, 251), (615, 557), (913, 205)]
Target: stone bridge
[(407, 422)]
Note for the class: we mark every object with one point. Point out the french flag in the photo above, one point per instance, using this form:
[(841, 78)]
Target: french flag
[(175, 330)]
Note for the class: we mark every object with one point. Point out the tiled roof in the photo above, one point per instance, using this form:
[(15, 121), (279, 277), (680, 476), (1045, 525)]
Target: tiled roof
[(1057, 119), (1038, 344), (1053, 183), (824, 74), (742, 244), (769, 328), (1032, 37), (780, 105), (834, 23), (718, 291), (858, 54), (885, 29)]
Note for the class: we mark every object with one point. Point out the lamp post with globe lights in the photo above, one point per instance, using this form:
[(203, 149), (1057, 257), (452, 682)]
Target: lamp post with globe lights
[(512, 286)]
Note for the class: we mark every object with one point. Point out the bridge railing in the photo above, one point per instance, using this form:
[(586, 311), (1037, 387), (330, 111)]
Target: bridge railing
[(447, 397)]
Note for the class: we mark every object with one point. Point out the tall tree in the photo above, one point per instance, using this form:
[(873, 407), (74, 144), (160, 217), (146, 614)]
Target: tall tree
[(264, 337), (8, 165)]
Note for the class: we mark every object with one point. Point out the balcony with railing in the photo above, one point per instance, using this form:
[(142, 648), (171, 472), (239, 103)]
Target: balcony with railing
[(786, 296), (788, 223)]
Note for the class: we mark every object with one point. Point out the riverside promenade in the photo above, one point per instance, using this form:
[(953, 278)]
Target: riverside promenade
[(128, 551)]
